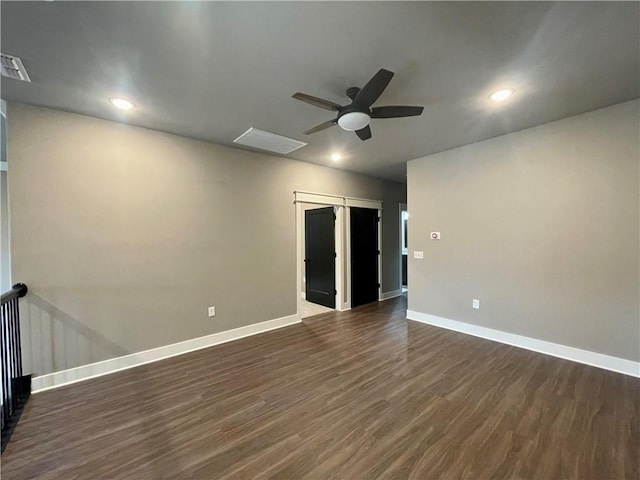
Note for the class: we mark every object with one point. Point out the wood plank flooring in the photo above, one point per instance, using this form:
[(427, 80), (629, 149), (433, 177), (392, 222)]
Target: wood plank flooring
[(354, 395)]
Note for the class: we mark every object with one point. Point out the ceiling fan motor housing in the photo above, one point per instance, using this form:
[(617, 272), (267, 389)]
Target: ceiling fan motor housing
[(352, 92)]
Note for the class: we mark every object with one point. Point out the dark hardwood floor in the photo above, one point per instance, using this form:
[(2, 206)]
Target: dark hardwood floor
[(356, 395)]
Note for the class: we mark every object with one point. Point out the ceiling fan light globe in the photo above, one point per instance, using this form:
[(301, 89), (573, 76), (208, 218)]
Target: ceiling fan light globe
[(354, 121)]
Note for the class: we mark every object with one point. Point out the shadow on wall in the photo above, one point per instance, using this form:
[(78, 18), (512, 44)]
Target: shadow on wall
[(52, 340)]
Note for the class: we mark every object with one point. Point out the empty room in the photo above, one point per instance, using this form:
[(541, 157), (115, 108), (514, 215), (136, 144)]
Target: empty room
[(320, 240)]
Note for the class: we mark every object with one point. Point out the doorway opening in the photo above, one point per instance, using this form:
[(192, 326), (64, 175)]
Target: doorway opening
[(404, 247), (365, 256)]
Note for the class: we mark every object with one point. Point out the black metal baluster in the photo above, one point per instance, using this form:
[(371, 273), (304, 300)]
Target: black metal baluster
[(5, 364), (5, 375), (16, 360), (14, 356), (18, 340), (12, 363), (12, 397), (21, 389)]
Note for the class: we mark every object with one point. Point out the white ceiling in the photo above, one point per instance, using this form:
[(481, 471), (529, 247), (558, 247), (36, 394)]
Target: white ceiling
[(212, 70)]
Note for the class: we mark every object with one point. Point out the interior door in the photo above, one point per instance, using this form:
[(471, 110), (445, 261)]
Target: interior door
[(364, 256), (320, 256)]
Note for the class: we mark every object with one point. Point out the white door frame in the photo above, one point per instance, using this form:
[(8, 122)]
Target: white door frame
[(341, 207)]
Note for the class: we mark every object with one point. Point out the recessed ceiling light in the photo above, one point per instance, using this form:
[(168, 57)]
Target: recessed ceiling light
[(336, 157), (501, 95), (121, 103)]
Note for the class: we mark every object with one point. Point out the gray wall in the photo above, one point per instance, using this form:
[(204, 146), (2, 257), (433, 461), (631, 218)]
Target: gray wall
[(127, 235), (542, 226)]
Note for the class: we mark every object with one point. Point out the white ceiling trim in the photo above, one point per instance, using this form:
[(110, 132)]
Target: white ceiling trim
[(363, 203), (336, 200)]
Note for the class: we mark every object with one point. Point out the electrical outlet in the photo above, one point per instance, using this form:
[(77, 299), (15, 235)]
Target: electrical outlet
[(418, 254), (476, 304), (212, 311)]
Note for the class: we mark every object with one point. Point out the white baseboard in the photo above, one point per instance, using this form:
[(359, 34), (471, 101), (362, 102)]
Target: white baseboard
[(391, 294), (587, 357), (85, 372)]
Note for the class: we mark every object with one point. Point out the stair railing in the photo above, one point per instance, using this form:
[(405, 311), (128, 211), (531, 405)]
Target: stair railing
[(16, 387)]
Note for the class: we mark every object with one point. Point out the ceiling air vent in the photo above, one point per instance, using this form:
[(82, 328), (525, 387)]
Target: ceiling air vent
[(12, 67), (268, 141)]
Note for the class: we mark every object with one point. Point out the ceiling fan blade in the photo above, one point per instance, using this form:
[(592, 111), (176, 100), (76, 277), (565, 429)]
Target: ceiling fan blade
[(374, 88), (395, 111), (322, 126), (364, 133), (316, 102)]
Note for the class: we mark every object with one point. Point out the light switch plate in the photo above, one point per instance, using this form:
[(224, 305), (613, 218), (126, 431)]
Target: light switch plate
[(418, 254)]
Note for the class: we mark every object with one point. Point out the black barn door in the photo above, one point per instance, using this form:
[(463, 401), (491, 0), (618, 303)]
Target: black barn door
[(364, 256), (319, 260)]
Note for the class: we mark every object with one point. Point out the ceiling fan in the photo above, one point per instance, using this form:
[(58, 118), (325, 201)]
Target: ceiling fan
[(356, 116)]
